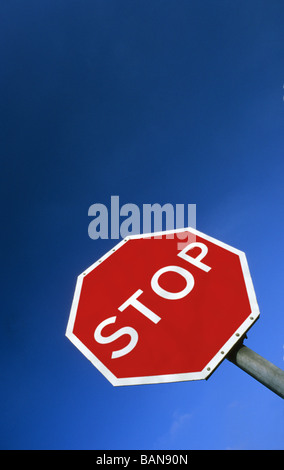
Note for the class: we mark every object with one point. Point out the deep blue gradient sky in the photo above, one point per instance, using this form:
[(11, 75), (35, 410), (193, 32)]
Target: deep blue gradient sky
[(173, 101)]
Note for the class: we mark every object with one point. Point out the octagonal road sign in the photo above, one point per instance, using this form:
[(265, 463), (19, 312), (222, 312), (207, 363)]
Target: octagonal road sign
[(162, 307)]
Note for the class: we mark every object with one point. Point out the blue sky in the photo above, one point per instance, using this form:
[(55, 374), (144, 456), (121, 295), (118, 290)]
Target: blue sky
[(154, 101)]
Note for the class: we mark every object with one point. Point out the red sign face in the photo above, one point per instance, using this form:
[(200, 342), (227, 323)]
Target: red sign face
[(150, 311)]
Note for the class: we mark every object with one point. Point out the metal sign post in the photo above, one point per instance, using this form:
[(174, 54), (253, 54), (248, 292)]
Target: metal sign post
[(259, 368)]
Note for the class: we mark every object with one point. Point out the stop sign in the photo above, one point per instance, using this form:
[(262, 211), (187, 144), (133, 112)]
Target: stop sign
[(155, 309)]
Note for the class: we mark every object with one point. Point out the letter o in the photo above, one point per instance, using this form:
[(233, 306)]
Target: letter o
[(172, 295)]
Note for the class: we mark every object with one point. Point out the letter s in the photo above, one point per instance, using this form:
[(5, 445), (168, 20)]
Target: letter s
[(127, 330)]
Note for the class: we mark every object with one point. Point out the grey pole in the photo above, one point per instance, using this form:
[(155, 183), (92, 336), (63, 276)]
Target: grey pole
[(259, 368)]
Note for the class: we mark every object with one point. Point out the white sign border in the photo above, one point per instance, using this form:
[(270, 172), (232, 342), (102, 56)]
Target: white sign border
[(214, 362)]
